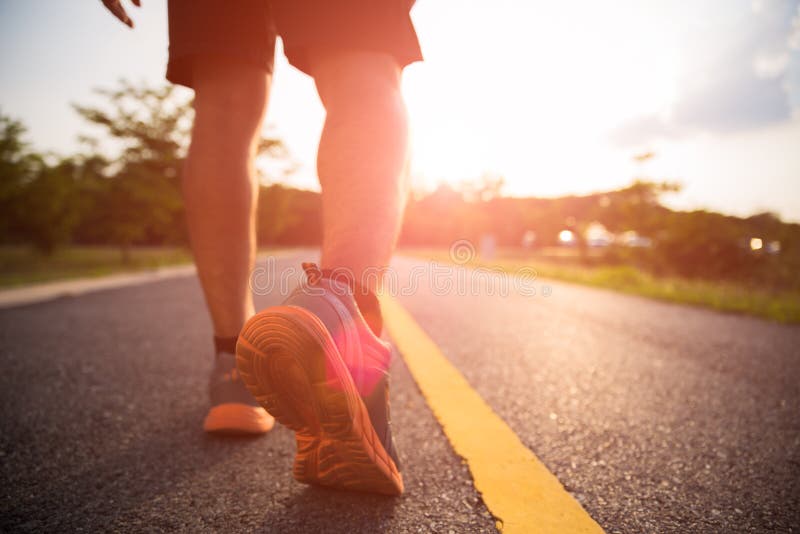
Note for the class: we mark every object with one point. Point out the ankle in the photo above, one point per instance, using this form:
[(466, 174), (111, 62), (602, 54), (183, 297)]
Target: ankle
[(370, 307), (366, 300), (225, 344)]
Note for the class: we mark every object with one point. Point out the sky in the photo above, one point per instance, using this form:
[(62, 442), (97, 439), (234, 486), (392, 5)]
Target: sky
[(557, 97)]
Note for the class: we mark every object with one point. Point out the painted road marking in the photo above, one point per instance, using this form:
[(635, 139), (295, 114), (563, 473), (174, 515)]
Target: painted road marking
[(515, 485)]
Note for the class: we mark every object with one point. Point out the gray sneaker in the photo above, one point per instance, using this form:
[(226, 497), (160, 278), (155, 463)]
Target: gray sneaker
[(314, 364), (233, 409)]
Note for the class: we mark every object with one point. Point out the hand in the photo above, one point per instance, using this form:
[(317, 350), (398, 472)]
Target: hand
[(115, 6)]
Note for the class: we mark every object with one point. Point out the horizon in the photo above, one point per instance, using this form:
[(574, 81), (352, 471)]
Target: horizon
[(571, 95), (456, 187)]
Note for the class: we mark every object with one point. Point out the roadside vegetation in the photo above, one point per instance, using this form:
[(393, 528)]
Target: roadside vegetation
[(116, 205), (726, 296), (21, 265)]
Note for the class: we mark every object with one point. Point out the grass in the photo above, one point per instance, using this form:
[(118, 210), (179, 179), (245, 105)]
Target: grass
[(21, 265), (722, 296)]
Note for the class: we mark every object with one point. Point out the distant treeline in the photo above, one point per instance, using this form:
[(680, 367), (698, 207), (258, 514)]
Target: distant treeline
[(693, 244), (134, 199)]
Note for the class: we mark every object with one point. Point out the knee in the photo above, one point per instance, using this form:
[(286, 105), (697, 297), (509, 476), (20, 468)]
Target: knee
[(229, 104), (348, 80)]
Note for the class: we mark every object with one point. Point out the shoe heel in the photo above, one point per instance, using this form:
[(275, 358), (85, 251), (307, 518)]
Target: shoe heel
[(278, 363), (290, 364)]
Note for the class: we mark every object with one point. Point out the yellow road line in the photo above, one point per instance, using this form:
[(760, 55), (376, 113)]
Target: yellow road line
[(515, 485)]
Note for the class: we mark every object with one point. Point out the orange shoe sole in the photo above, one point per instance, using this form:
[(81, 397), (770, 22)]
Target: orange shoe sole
[(290, 363), (236, 418)]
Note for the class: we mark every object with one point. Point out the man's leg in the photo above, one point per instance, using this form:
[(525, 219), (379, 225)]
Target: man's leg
[(220, 187), (317, 362), (220, 191), (361, 160)]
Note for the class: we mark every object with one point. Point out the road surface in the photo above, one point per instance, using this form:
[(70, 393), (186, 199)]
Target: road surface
[(655, 417)]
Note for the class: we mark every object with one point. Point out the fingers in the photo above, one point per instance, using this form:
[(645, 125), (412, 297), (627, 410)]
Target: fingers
[(118, 11)]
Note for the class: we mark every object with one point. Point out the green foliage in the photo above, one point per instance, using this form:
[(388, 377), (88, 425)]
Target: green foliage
[(125, 190), (51, 204), (720, 295), (18, 167), (136, 196), (289, 216), (694, 245), (21, 265), (38, 201)]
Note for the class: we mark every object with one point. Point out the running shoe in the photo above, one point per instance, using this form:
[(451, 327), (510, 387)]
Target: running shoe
[(314, 364), (233, 408)]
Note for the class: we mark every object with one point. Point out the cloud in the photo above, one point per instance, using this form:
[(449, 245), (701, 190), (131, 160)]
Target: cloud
[(771, 65), (645, 128), (735, 99), (793, 40), (740, 75)]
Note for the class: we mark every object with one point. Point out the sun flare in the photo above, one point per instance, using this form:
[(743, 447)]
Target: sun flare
[(542, 111)]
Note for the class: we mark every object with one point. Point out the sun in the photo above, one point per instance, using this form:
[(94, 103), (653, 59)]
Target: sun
[(535, 97)]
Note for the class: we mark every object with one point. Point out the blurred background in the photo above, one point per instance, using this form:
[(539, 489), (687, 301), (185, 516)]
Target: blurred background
[(651, 147)]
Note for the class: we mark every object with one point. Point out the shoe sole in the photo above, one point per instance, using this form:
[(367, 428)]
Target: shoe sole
[(236, 418), (290, 364)]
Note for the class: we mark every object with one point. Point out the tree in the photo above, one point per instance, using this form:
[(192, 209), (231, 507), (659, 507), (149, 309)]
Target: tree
[(138, 197), (38, 201), (137, 193), (17, 168)]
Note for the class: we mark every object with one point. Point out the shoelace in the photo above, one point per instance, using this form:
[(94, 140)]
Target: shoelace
[(313, 272)]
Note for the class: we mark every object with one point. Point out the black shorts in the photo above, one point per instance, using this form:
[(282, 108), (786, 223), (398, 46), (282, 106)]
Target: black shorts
[(245, 30)]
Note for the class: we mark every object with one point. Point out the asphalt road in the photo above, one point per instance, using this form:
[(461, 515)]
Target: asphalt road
[(656, 417)]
